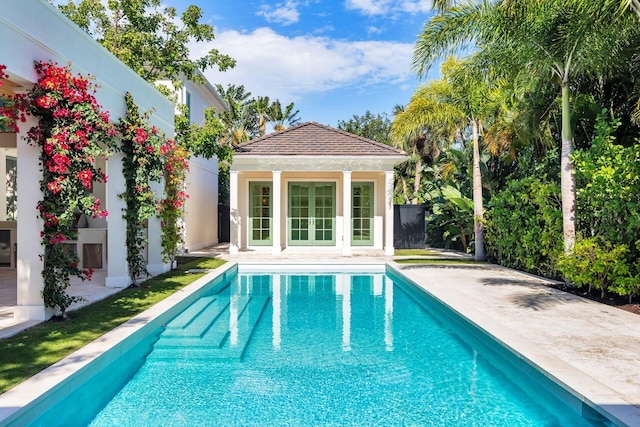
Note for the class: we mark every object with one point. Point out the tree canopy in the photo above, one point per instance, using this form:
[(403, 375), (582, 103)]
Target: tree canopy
[(150, 38)]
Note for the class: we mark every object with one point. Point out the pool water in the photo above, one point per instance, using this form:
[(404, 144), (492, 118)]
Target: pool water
[(326, 349)]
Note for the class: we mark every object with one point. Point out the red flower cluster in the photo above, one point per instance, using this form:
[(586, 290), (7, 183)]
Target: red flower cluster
[(141, 136), (13, 109)]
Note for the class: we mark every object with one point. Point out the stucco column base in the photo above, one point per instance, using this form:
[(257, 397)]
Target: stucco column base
[(156, 269), (233, 250), (276, 250), (389, 250), (23, 313), (117, 282)]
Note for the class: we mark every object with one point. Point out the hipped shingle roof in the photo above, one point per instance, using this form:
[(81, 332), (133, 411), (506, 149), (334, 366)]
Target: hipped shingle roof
[(314, 139)]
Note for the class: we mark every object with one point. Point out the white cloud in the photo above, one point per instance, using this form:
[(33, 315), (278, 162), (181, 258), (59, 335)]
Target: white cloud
[(370, 7), (383, 7), (285, 14), (374, 30), (270, 64)]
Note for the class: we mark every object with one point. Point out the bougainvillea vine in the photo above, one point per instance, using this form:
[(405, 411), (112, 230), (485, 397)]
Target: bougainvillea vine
[(141, 164), (72, 132), (170, 209), (12, 108)]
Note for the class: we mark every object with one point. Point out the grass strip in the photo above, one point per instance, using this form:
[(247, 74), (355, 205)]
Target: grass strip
[(29, 352), (437, 261), (415, 252)]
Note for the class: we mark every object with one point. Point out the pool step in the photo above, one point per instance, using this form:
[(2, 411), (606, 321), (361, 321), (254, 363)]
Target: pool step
[(220, 339), (193, 312), (198, 321)]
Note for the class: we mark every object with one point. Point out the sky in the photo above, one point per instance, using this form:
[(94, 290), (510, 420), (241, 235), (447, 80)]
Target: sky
[(333, 58)]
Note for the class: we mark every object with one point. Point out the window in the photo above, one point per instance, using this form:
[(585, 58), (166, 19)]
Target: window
[(362, 214), (260, 220)]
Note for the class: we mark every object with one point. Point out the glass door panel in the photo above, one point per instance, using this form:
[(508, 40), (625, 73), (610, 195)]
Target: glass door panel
[(362, 214), (260, 217), (311, 213), (324, 213)]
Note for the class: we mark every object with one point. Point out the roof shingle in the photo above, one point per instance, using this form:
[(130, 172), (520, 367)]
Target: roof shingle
[(314, 139)]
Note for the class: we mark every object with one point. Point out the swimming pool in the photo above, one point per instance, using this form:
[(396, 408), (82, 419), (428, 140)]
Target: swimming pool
[(284, 348)]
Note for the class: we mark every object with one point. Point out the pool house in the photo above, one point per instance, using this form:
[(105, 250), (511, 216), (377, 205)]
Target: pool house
[(313, 186)]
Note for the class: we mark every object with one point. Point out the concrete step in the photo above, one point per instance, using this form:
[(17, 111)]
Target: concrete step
[(223, 338)]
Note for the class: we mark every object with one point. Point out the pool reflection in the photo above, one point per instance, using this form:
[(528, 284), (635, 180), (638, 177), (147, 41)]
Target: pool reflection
[(371, 289)]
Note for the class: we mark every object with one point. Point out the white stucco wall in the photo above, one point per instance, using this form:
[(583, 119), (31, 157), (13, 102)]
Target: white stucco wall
[(201, 210), (33, 30)]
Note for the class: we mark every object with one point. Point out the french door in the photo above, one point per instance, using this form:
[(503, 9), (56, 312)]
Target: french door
[(260, 213), (311, 213), (362, 214)]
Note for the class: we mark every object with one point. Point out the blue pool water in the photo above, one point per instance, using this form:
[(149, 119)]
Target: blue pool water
[(323, 349)]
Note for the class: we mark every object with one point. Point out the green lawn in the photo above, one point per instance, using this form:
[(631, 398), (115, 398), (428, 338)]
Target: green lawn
[(437, 261), (31, 351), (415, 252)]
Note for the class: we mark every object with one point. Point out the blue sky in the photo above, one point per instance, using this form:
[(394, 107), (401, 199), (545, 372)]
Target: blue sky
[(333, 59)]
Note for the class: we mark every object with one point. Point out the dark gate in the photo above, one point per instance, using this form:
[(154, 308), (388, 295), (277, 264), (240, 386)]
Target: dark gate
[(224, 224), (409, 226)]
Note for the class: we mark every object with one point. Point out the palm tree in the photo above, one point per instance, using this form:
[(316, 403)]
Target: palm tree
[(240, 121), (450, 106), (421, 129), (262, 110), (281, 119), (552, 39)]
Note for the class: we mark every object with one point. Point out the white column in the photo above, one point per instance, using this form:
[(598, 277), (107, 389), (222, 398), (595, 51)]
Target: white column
[(276, 318), (234, 244), (3, 189), (30, 305), (388, 213), (277, 212), (117, 269), (155, 264), (346, 213)]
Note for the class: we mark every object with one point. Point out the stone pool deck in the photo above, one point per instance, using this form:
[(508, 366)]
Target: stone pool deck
[(592, 348)]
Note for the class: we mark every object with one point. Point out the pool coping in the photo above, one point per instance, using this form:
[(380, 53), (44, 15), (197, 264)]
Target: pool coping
[(26, 397)]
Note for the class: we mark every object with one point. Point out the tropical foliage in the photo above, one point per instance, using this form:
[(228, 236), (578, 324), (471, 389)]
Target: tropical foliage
[(150, 38), (515, 128)]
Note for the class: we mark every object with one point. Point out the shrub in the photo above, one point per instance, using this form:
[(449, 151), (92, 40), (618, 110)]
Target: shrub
[(523, 226), (597, 264)]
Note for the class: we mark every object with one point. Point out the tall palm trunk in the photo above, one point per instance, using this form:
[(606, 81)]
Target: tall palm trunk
[(417, 179), (567, 173), (478, 216)]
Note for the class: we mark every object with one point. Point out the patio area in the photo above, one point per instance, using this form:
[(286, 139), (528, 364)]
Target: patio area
[(91, 291)]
